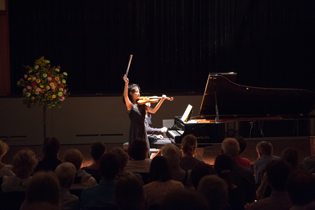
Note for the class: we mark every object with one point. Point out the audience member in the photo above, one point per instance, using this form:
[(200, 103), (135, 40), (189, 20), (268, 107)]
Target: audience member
[(172, 153), (102, 195), (123, 159), (189, 147), (199, 171), (82, 179), (24, 162), (66, 173), (50, 160), (128, 193), (97, 150), (215, 190), (224, 165), (5, 170), (43, 190), (265, 155), (241, 176), (301, 189), (242, 161), (161, 182), (185, 200), (278, 172)]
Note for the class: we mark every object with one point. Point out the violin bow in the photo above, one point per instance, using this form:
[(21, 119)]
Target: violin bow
[(130, 59)]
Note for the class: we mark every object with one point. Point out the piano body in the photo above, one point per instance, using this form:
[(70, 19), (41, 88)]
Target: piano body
[(250, 111)]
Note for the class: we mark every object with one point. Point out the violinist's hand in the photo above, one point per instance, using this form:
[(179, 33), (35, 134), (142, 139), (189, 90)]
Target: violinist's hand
[(164, 129), (125, 78), (163, 97)]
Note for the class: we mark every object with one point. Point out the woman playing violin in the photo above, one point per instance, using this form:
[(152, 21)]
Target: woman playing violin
[(136, 111)]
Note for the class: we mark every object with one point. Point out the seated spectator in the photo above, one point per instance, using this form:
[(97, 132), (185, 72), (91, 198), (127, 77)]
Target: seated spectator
[(199, 171), (241, 176), (102, 195), (241, 160), (5, 170), (224, 165), (82, 179), (24, 162), (185, 200), (278, 172), (215, 191), (50, 160), (66, 173), (138, 152), (97, 150), (123, 159), (172, 153), (160, 182), (265, 155), (43, 190), (301, 189), (128, 193), (189, 147)]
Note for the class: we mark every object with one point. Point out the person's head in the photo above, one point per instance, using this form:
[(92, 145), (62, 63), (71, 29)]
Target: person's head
[(189, 145), (199, 171), (65, 173), (278, 172), (128, 193), (301, 187), (230, 146), (109, 165), (172, 153), (291, 156), (43, 187), (215, 190), (264, 148), (133, 93), (51, 147), (3, 149), (73, 156), (185, 200), (160, 169), (138, 149), (243, 144), (122, 155), (24, 163), (97, 150), (223, 165)]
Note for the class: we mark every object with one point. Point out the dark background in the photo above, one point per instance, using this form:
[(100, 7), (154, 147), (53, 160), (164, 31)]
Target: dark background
[(175, 43)]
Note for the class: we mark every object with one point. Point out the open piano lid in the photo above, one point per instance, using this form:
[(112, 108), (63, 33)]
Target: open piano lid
[(240, 100)]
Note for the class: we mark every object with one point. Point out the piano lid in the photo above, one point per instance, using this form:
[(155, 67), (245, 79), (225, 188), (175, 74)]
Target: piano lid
[(236, 100)]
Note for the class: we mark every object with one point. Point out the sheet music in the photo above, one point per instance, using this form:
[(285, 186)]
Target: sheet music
[(186, 113)]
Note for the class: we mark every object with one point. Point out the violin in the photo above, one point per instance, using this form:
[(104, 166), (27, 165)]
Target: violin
[(151, 99)]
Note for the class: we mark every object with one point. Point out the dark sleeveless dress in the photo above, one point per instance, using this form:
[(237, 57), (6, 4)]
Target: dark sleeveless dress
[(137, 128)]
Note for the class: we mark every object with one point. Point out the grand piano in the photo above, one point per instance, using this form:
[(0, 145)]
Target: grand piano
[(229, 109)]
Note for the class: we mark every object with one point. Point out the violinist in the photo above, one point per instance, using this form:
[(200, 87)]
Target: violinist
[(137, 112)]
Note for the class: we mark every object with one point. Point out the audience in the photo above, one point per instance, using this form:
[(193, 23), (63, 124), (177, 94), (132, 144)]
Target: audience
[(242, 161), (278, 172), (97, 150), (43, 190), (241, 176), (50, 160), (5, 170), (138, 152), (215, 190), (102, 195), (24, 162), (223, 165), (82, 179), (66, 173), (265, 155), (129, 194), (160, 182), (199, 171), (189, 147)]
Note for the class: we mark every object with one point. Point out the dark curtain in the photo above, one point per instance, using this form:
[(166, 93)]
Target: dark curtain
[(175, 43)]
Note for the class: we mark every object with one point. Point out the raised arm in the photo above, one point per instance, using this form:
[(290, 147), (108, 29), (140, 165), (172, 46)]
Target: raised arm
[(127, 101), (156, 108)]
